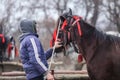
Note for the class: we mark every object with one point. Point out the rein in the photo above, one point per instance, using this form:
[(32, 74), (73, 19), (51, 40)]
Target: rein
[(52, 57)]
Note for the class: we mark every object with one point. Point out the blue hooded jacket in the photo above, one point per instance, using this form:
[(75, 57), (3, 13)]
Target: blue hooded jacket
[(32, 55)]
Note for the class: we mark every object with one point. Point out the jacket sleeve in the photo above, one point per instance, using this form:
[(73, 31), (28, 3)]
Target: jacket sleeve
[(35, 52), (48, 53)]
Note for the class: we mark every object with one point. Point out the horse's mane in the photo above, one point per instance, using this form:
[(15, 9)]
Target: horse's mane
[(88, 28), (101, 37)]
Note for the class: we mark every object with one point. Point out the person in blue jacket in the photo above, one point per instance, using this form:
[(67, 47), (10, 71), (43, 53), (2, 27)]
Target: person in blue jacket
[(32, 54)]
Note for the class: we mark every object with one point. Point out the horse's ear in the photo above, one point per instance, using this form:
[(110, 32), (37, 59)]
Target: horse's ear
[(70, 11), (66, 14)]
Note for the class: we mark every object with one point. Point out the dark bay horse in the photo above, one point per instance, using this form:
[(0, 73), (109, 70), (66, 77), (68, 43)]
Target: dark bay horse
[(8, 49), (101, 51)]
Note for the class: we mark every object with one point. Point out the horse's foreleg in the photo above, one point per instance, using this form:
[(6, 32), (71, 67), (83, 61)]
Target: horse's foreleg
[(2, 67), (1, 61)]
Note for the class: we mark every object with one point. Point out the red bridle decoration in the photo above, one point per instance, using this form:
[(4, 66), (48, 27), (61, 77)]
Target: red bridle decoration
[(76, 18), (76, 21), (80, 57), (2, 37), (55, 33), (53, 38), (78, 25)]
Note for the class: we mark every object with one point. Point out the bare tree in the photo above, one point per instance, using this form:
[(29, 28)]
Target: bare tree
[(88, 7), (113, 9), (1, 27), (4, 22), (60, 5), (91, 7), (54, 5), (96, 12)]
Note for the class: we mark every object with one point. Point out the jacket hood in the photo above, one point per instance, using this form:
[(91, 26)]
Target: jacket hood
[(21, 37), (28, 26)]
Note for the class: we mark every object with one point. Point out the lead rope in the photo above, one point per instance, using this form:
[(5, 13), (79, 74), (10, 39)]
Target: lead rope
[(52, 57)]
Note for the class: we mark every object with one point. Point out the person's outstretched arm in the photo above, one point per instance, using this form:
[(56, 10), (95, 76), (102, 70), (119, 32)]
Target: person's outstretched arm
[(50, 51)]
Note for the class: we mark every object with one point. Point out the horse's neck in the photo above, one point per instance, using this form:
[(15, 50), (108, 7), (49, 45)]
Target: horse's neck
[(91, 39), (88, 45)]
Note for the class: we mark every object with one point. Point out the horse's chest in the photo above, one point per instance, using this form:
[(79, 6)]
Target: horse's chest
[(100, 69), (105, 70)]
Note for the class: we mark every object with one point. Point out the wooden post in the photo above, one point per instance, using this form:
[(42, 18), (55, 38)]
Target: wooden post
[(21, 73)]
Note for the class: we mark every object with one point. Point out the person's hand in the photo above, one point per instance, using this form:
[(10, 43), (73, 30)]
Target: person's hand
[(50, 76), (58, 44)]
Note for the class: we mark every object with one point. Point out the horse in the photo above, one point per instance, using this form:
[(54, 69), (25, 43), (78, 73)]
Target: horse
[(8, 49), (100, 50)]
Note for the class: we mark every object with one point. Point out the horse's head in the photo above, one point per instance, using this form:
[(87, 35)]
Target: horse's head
[(68, 30)]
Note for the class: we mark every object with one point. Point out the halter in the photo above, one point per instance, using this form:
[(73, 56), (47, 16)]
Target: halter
[(76, 21), (77, 48)]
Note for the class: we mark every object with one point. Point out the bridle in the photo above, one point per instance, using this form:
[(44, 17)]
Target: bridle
[(70, 35), (65, 31)]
